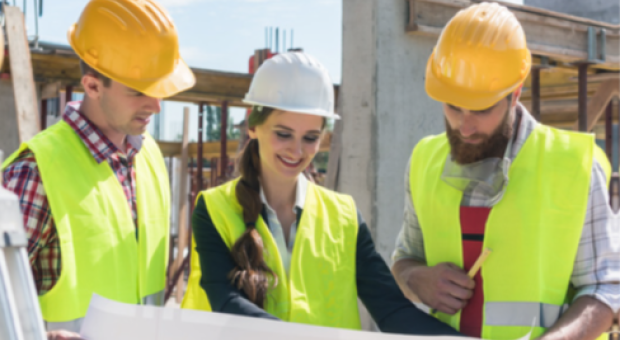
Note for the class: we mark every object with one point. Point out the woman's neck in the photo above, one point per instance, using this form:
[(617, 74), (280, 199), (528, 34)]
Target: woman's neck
[(279, 192)]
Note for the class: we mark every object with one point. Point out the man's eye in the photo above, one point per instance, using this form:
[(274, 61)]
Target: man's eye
[(483, 112)]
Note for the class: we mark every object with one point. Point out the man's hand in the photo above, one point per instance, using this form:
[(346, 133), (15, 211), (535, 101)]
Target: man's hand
[(444, 287), (63, 335)]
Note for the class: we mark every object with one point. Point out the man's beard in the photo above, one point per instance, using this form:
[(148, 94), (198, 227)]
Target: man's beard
[(491, 146)]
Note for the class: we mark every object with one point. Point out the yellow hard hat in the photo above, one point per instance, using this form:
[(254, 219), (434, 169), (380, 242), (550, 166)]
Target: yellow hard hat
[(480, 58), (133, 42)]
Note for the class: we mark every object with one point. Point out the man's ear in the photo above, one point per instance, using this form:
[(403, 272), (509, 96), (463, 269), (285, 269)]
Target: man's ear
[(92, 86), (516, 96)]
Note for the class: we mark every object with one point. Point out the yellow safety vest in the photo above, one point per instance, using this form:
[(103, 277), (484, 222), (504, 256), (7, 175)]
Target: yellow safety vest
[(534, 230), (321, 289), (99, 250)]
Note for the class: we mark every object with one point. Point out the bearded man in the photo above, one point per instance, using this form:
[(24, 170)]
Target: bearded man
[(498, 179)]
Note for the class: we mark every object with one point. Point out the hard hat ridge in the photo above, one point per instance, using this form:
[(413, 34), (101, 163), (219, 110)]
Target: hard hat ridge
[(295, 82), (133, 42)]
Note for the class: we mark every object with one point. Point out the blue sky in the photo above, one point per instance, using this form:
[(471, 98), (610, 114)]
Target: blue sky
[(222, 34)]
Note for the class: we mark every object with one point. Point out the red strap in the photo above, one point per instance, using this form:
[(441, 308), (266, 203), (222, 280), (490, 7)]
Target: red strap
[(473, 221)]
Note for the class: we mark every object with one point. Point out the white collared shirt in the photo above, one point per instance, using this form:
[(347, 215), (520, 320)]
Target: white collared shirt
[(286, 249)]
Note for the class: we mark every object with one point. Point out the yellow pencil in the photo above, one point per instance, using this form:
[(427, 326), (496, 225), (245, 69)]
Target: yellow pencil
[(483, 256), (474, 269)]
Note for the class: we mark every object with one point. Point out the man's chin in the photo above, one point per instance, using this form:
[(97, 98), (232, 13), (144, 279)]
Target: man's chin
[(137, 131), (466, 154)]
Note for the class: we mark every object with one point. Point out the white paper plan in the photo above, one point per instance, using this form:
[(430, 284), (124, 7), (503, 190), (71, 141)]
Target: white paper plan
[(107, 319)]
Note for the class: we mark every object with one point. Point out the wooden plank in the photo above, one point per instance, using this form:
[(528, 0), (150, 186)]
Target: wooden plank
[(183, 205), (26, 103), (50, 90), (597, 103), (556, 111), (556, 15), (558, 92), (600, 77), (61, 64), (526, 9)]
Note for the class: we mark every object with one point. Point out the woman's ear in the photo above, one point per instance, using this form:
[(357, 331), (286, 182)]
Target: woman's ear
[(252, 132)]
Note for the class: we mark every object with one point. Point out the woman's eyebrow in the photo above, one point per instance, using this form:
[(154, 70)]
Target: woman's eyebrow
[(289, 129), (283, 127)]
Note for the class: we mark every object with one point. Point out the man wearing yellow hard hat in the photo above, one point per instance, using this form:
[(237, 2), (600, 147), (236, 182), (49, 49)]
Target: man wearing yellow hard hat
[(94, 188), (534, 196)]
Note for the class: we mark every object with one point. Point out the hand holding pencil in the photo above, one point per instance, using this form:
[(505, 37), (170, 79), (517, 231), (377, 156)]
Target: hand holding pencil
[(474, 269)]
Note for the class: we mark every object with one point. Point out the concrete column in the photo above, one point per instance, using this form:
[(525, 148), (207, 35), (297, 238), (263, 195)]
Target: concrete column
[(358, 106), (358, 110), (385, 111)]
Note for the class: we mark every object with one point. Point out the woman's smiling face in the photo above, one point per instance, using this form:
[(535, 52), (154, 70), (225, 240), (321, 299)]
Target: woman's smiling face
[(287, 142)]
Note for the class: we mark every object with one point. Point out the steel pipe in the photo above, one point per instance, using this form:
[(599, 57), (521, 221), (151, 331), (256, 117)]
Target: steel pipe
[(583, 97)]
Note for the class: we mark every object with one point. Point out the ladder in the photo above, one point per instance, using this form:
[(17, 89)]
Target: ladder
[(20, 314)]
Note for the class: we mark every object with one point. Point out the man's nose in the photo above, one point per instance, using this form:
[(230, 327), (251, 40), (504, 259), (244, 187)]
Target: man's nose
[(468, 125), (153, 105)]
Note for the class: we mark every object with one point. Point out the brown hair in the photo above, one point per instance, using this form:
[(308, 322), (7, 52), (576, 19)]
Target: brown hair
[(86, 69), (251, 271)]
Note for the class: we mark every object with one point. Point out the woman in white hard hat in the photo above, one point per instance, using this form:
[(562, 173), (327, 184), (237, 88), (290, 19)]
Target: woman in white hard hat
[(271, 244)]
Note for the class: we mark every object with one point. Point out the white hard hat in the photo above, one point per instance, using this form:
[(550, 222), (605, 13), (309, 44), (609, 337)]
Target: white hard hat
[(293, 82)]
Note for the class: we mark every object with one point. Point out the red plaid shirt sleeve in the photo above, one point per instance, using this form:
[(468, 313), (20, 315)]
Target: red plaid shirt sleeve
[(22, 177)]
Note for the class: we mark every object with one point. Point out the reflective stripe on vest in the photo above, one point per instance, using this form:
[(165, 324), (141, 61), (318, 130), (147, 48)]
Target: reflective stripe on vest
[(71, 326), (522, 314), (321, 289), (97, 234), (534, 230), (156, 299)]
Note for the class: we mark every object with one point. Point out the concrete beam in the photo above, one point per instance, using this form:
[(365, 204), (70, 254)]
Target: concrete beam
[(559, 36)]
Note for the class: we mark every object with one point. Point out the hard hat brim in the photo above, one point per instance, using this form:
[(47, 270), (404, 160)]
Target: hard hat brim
[(180, 79), (308, 111)]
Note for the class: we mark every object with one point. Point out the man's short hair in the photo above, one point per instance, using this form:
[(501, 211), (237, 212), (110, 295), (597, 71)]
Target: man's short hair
[(86, 69)]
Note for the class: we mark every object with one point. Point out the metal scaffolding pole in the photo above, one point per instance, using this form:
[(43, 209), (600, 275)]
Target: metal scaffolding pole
[(583, 96), (223, 140), (199, 158), (609, 134), (536, 93)]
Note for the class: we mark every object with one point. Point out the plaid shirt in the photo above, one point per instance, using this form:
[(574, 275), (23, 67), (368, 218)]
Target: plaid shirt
[(596, 269), (23, 178)]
